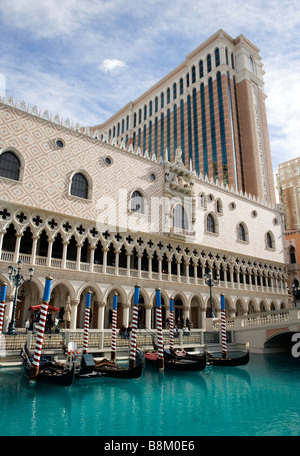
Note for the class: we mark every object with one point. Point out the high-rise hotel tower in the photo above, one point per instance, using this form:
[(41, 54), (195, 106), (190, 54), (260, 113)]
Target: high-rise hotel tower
[(213, 107)]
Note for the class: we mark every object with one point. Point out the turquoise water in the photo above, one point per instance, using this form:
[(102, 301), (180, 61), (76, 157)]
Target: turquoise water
[(262, 398)]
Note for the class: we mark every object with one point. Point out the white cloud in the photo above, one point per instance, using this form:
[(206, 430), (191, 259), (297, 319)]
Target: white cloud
[(282, 80), (111, 65), (55, 53)]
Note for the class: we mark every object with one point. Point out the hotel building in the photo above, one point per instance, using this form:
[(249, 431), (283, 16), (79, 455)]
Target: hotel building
[(212, 106), (288, 185)]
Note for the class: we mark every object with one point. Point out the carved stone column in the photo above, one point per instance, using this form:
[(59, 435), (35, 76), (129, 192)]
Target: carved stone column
[(74, 308), (79, 246), (17, 247), (49, 253), (33, 250), (101, 309), (126, 308), (92, 256), (64, 254), (148, 309)]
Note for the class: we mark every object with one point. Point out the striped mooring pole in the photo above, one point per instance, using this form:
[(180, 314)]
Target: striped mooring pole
[(41, 329), (114, 328), (223, 327), (159, 331), (86, 322), (171, 323), (135, 317), (2, 305)]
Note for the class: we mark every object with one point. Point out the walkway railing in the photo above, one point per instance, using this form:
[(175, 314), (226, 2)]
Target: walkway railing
[(100, 340), (276, 317)]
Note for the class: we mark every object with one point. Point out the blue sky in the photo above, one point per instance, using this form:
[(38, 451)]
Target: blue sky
[(84, 60)]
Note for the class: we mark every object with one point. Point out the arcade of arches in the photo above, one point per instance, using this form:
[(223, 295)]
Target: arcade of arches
[(192, 306)]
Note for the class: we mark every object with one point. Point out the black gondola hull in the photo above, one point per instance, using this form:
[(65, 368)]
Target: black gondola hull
[(111, 371), (89, 368), (55, 376), (49, 371), (173, 363), (230, 362)]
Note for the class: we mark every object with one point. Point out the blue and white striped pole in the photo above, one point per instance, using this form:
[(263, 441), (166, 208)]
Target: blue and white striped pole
[(114, 328), (135, 316), (2, 305), (87, 322), (159, 330), (171, 322), (223, 327), (41, 329)]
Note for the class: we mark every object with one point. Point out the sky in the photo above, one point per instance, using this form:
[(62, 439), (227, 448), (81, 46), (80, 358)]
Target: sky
[(84, 60)]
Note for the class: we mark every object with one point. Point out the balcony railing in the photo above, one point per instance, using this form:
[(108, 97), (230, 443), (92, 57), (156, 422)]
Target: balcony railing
[(9, 257)]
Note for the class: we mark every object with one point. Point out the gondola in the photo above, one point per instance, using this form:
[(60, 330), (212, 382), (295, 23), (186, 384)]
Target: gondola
[(49, 371), (177, 363), (219, 361), (89, 368)]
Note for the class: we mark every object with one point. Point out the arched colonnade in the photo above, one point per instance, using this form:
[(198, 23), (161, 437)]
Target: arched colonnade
[(195, 306)]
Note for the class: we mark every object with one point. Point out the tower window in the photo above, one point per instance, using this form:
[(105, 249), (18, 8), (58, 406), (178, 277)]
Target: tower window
[(208, 61)]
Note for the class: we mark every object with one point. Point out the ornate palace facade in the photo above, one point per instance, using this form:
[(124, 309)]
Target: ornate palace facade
[(103, 218)]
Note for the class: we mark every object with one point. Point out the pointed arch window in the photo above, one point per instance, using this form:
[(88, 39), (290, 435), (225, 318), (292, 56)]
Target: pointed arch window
[(292, 255), (79, 186), (241, 232), (270, 240), (210, 224), (180, 219), (137, 202), (9, 165)]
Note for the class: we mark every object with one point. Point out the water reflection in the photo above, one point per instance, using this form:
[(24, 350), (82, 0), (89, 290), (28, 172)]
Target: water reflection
[(262, 398)]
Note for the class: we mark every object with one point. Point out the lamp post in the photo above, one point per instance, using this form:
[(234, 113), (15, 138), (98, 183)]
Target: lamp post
[(295, 291), (211, 283), (17, 279)]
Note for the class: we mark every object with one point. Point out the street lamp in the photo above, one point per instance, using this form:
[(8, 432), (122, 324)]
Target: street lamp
[(211, 283), (17, 279), (295, 291)]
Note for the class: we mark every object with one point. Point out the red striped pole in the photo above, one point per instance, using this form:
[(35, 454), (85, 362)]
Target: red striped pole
[(86, 322), (114, 328), (41, 329), (159, 331), (223, 327), (135, 317), (171, 322), (2, 305)]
